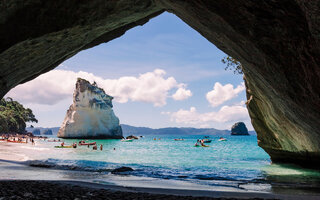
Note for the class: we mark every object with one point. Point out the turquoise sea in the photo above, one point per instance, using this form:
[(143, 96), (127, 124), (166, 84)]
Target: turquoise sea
[(235, 163)]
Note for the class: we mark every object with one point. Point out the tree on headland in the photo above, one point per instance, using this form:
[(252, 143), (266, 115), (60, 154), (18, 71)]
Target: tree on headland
[(232, 64), (13, 116)]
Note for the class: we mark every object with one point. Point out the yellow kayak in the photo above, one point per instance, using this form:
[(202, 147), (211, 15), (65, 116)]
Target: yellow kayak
[(63, 146)]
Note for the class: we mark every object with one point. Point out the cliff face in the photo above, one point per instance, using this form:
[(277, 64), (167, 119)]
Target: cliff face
[(91, 114), (277, 42)]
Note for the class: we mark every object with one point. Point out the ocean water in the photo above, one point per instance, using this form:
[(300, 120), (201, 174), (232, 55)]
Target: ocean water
[(236, 163)]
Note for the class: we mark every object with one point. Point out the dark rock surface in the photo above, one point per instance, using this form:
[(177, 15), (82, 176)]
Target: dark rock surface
[(277, 42), (239, 128), (31, 190), (132, 137), (121, 169)]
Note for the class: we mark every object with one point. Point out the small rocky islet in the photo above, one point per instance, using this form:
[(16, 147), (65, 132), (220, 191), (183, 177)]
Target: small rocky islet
[(239, 128)]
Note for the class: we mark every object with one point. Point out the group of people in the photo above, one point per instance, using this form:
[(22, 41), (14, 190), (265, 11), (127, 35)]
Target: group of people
[(17, 139), (94, 147), (200, 143)]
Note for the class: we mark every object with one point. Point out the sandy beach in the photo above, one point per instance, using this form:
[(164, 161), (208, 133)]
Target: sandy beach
[(18, 180)]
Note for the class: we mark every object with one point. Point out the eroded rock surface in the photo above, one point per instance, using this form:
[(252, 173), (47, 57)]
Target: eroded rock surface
[(91, 114), (277, 42)]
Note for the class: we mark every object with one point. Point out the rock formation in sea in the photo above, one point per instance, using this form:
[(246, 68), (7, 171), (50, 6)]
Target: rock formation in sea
[(277, 43), (91, 114), (46, 131), (239, 128), (36, 131)]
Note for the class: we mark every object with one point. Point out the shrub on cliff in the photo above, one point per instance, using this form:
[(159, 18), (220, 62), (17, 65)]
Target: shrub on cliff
[(13, 116), (232, 64)]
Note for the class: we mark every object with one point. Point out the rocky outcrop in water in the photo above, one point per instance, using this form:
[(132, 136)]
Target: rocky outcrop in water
[(277, 42), (36, 131), (121, 169), (46, 132), (239, 128), (91, 114)]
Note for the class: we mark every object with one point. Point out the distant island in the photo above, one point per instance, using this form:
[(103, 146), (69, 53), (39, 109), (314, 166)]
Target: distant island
[(133, 130)]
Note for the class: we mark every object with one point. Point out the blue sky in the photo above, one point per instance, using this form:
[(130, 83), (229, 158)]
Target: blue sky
[(165, 43)]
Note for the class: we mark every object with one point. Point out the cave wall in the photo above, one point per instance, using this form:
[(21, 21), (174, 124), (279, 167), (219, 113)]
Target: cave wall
[(276, 41), (36, 36)]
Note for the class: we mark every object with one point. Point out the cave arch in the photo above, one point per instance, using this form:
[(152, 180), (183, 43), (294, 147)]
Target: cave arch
[(277, 43)]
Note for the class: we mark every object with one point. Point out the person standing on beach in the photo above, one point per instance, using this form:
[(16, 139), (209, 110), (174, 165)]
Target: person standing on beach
[(101, 147)]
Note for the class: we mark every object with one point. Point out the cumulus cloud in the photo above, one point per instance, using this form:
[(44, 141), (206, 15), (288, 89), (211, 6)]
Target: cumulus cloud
[(224, 115), (56, 85), (222, 93), (181, 94)]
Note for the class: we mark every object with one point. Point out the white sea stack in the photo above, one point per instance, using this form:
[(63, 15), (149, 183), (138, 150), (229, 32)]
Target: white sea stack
[(91, 114)]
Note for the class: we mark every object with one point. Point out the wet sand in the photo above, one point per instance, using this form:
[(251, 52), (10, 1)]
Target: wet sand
[(23, 189), (26, 189)]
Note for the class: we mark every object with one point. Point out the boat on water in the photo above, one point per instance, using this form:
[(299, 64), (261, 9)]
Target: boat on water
[(64, 146), (206, 139), (127, 140), (199, 145), (222, 139), (54, 140), (179, 139), (86, 144), (14, 141)]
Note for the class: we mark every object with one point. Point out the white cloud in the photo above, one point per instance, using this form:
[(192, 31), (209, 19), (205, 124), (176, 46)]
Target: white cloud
[(56, 85), (223, 93), (227, 114), (181, 94)]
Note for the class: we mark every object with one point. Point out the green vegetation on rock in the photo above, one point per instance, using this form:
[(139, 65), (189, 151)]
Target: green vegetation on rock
[(13, 116), (232, 64)]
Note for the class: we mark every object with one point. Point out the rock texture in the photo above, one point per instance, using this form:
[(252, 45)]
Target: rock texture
[(239, 128), (90, 115), (36, 131), (47, 132), (277, 42)]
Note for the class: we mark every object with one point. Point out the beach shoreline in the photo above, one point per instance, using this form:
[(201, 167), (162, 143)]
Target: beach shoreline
[(30, 187), (16, 174)]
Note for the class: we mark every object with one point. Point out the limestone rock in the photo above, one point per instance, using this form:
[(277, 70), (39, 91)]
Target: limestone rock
[(91, 114), (239, 128)]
